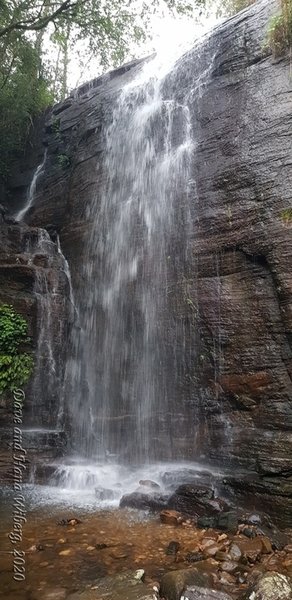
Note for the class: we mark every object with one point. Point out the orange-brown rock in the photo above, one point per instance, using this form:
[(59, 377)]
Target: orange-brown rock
[(266, 545), (171, 517), (251, 549)]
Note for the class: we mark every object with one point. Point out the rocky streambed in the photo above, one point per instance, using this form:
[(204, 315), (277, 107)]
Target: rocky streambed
[(203, 547)]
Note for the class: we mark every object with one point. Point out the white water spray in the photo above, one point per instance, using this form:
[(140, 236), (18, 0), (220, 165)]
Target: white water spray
[(32, 190)]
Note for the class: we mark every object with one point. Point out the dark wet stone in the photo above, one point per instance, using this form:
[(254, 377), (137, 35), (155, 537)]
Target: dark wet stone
[(196, 500), (69, 522), (175, 582), (172, 548), (194, 557), (226, 521), (278, 538), (248, 532), (143, 501), (101, 546), (173, 479)]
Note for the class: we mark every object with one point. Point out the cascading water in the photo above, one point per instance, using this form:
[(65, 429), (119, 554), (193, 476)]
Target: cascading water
[(132, 341), (122, 373), (32, 190), (51, 280)]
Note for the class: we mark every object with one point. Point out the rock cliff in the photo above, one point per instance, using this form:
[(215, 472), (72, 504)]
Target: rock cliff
[(232, 289)]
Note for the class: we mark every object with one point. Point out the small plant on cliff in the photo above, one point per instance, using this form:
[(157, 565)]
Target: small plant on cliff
[(15, 364), (280, 30), (56, 128), (63, 161), (286, 216)]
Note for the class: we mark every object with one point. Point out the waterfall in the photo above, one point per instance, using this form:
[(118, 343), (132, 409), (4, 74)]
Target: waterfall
[(32, 190), (66, 269), (50, 290), (122, 372)]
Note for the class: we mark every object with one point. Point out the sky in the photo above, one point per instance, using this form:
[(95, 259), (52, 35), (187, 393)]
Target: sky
[(170, 37)]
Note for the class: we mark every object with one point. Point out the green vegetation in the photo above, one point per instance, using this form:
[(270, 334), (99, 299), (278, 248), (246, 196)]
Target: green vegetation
[(56, 128), (280, 30), (23, 94), (63, 161), (286, 216), (15, 364), (37, 39), (231, 7), (33, 77)]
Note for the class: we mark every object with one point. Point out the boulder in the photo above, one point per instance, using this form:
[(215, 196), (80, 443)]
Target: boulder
[(175, 582), (270, 586), (226, 521), (278, 538), (249, 549), (140, 501), (125, 586), (196, 500)]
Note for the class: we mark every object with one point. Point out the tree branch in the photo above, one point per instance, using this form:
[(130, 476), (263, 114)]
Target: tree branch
[(36, 24)]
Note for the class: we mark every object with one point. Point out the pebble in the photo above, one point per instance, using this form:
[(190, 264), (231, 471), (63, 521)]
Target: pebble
[(229, 566), (140, 574), (227, 579), (193, 557), (172, 548), (211, 550), (266, 545), (171, 517), (118, 554), (235, 552), (222, 537), (207, 543)]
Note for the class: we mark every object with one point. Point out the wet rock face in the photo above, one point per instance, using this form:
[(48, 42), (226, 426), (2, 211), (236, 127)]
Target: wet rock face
[(232, 289), (28, 259)]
